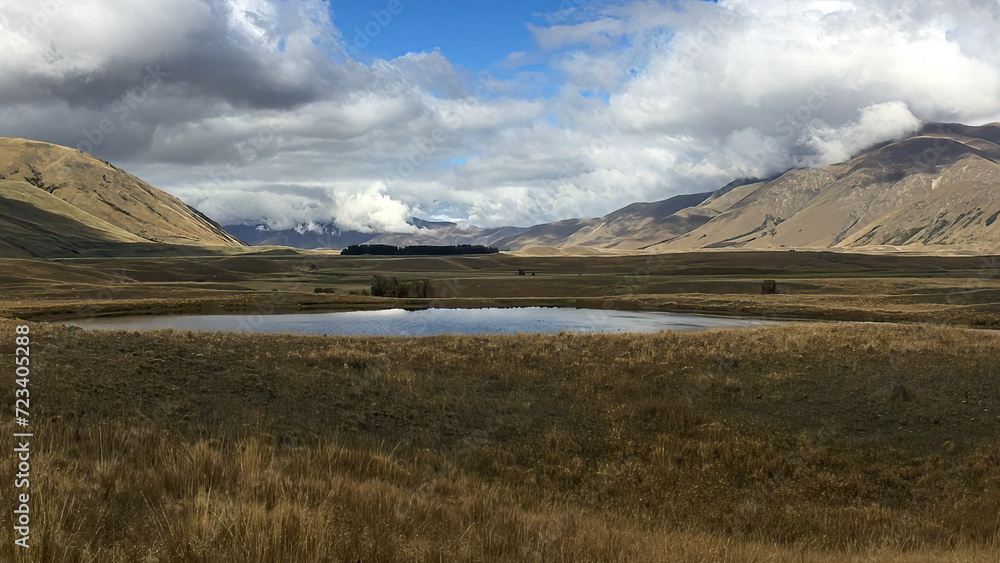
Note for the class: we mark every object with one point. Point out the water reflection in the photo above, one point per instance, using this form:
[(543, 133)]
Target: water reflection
[(399, 322)]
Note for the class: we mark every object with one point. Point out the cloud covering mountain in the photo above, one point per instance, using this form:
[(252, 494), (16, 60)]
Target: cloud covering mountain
[(265, 110)]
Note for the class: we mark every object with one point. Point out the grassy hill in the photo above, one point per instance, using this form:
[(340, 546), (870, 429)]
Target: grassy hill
[(58, 201)]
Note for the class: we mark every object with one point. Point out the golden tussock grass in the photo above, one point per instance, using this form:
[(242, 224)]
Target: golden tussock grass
[(804, 442)]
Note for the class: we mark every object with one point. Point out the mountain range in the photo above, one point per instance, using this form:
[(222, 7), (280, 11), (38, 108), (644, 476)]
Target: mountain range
[(937, 189)]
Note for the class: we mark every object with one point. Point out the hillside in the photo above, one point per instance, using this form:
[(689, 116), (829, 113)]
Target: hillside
[(327, 236), (641, 224), (56, 201), (937, 189), (330, 236), (563, 233)]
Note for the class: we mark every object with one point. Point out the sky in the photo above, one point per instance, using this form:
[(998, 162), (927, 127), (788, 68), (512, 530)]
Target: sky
[(365, 113)]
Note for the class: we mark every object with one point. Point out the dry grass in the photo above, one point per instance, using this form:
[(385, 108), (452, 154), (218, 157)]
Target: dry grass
[(961, 291), (807, 442)]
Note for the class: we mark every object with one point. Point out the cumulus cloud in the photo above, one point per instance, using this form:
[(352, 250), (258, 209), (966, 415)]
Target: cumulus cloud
[(878, 123), (372, 210), (349, 208), (256, 111)]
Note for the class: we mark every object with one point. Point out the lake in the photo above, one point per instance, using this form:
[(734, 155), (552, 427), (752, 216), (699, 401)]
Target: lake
[(399, 322)]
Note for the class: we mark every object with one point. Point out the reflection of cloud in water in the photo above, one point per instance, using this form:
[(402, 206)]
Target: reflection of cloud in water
[(400, 322)]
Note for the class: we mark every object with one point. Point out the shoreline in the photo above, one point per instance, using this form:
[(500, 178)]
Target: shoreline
[(707, 305)]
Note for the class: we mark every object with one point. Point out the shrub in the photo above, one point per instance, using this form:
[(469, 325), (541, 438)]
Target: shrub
[(384, 286)]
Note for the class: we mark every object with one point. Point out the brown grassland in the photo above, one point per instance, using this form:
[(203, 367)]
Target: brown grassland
[(800, 442), (817, 442), (960, 290)]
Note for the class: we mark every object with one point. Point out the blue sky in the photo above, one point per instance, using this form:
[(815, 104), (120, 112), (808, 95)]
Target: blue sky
[(476, 35)]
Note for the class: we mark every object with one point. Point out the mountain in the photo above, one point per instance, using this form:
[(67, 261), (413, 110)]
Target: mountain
[(641, 224), (329, 236), (559, 233), (626, 229), (57, 201), (936, 189), (311, 236), (505, 238)]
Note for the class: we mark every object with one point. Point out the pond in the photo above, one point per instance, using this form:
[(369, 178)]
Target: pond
[(426, 322)]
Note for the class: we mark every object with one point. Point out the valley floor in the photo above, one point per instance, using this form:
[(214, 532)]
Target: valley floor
[(962, 291), (806, 441), (816, 442)]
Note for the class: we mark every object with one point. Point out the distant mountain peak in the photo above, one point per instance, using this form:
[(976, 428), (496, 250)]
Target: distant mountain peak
[(424, 224)]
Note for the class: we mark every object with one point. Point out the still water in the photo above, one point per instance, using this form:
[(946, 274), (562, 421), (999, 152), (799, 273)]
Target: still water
[(399, 322)]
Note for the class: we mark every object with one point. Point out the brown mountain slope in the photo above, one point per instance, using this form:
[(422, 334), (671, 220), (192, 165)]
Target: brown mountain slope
[(89, 201), (441, 233), (36, 223), (938, 188), (960, 207), (641, 224), (756, 214)]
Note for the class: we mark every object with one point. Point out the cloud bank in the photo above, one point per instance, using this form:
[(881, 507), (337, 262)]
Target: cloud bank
[(262, 111)]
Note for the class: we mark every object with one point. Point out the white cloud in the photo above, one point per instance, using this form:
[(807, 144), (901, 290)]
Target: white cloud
[(60, 37), (349, 207), (265, 116), (598, 33), (372, 210), (878, 123)]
